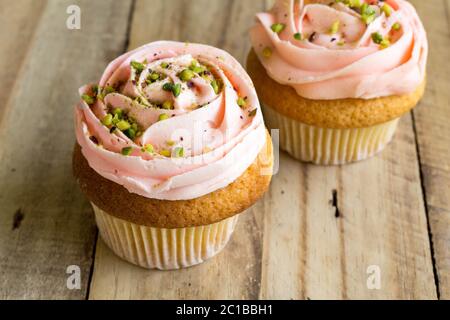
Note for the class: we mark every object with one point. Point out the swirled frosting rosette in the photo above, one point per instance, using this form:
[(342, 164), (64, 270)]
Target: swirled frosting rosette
[(171, 121), (335, 49)]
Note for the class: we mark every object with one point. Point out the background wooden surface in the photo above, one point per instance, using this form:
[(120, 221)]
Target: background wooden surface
[(312, 237)]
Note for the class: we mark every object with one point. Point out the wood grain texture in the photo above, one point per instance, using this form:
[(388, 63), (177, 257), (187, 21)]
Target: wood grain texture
[(319, 248), (293, 244), (19, 20), (433, 135), (45, 222)]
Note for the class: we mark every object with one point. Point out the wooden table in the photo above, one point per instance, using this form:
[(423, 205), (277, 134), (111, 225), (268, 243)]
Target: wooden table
[(315, 234)]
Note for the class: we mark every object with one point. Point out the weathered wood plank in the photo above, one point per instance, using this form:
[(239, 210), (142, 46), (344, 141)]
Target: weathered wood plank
[(19, 19), (433, 135), (45, 222), (309, 253)]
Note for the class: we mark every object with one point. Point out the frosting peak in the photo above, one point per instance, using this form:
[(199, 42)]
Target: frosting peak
[(343, 48), (171, 121)]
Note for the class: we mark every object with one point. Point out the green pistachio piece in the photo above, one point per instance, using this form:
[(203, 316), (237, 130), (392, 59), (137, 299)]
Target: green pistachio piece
[(163, 116), (88, 99), (387, 9), (139, 67), (368, 14), (335, 27), (241, 102), (186, 75), (107, 120), (167, 105), (176, 90), (165, 153), (197, 69), (108, 89), (298, 36), (178, 152), (252, 113), (118, 111), (215, 86), (116, 119), (148, 148), (130, 133), (168, 86), (396, 26), (127, 151), (267, 52), (154, 76), (123, 125), (164, 65), (278, 27), (134, 126), (377, 37), (385, 43)]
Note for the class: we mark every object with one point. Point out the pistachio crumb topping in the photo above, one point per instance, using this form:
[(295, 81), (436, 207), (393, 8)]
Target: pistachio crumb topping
[(127, 151), (377, 37), (267, 52), (163, 116), (118, 112), (148, 148), (382, 42), (166, 153), (242, 102), (107, 120), (278, 27), (196, 67), (368, 14), (178, 152), (385, 43), (387, 9), (170, 143), (118, 120), (88, 99), (396, 26), (139, 67), (123, 125), (215, 86), (298, 36), (168, 105), (186, 75), (252, 113), (174, 88), (335, 27)]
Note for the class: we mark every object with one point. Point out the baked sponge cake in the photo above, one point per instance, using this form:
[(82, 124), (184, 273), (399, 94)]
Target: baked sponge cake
[(171, 149), (336, 76)]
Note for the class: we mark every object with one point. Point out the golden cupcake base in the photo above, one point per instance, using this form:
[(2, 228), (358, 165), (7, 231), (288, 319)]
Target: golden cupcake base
[(326, 146), (160, 248)]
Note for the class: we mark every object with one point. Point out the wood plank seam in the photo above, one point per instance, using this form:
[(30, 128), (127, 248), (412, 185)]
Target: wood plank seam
[(125, 47), (427, 213)]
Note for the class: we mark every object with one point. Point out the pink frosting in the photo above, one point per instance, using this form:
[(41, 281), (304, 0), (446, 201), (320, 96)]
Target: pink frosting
[(220, 139), (347, 64)]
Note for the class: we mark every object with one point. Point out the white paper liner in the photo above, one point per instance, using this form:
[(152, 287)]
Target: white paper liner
[(325, 146), (164, 249)]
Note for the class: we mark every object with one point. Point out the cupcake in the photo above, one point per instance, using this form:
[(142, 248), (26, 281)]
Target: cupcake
[(336, 76), (171, 148)]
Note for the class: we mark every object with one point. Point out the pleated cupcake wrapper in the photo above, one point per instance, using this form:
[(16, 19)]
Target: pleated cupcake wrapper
[(160, 248), (325, 146)]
